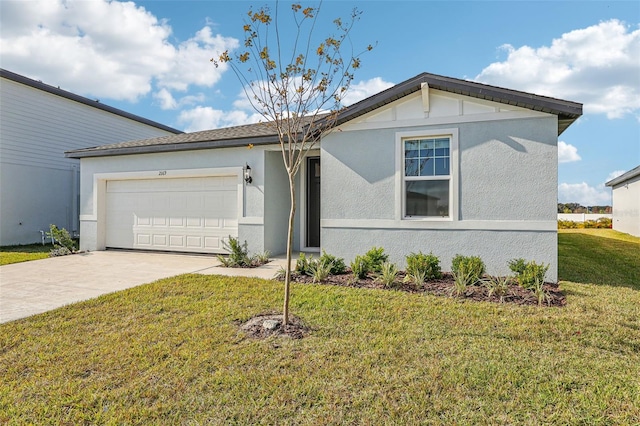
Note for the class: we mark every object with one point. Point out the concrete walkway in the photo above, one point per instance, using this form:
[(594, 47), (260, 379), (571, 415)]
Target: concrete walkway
[(38, 286)]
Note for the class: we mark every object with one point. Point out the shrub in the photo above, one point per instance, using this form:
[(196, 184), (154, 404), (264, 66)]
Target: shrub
[(238, 253), (462, 279), (360, 267), (472, 266), (528, 273), (416, 278), (261, 258), (427, 265), (517, 265), (303, 264), (337, 263), (388, 274), (497, 285), (532, 275), (61, 238), (319, 270), (376, 257)]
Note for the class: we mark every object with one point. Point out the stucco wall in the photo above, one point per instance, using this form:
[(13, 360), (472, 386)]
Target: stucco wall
[(38, 185), (264, 206), (626, 207), (507, 195)]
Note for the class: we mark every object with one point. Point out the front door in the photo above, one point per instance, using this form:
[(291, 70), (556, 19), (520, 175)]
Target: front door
[(313, 202)]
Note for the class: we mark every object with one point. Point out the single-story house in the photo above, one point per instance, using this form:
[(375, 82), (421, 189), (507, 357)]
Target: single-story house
[(39, 186), (433, 164), (626, 202)]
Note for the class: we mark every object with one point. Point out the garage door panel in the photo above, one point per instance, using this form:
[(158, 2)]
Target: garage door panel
[(190, 214)]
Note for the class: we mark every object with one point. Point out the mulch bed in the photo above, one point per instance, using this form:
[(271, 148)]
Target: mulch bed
[(444, 287)]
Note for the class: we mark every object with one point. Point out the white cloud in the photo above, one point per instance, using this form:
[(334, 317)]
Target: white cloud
[(106, 49), (166, 99), (598, 66), (364, 89), (205, 118), (567, 153), (615, 174), (584, 194)]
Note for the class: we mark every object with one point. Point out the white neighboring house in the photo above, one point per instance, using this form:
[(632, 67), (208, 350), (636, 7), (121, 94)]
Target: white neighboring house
[(626, 202), (39, 186), (433, 164)]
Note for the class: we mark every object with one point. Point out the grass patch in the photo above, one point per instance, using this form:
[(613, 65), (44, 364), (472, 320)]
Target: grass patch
[(23, 253), (170, 353), (599, 256)]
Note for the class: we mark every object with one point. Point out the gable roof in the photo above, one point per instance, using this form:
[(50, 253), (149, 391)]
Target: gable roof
[(624, 177), (81, 99), (262, 133)]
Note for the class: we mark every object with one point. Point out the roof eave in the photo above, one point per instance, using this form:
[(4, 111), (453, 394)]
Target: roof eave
[(624, 177), (191, 146)]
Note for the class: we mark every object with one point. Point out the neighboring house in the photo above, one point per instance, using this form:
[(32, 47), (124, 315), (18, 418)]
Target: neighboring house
[(39, 186), (626, 202), (433, 164)]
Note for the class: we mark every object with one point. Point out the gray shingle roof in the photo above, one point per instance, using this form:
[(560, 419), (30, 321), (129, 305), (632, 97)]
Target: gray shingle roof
[(81, 99), (262, 133)]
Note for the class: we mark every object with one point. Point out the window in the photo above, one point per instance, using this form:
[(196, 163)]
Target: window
[(427, 176)]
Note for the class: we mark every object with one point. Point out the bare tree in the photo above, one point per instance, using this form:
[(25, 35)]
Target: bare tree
[(297, 84)]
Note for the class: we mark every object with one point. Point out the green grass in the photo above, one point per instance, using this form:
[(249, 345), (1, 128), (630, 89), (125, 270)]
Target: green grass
[(170, 352), (23, 253), (599, 256)]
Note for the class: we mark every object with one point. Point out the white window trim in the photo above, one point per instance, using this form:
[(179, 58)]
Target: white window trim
[(453, 179)]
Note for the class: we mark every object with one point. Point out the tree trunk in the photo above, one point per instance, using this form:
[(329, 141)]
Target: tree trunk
[(287, 276)]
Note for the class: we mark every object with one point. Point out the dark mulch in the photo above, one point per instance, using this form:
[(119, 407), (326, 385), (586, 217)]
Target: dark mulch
[(444, 287)]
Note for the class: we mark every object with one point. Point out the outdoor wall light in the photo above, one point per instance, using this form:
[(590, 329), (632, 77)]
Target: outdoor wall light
[(247, 174)]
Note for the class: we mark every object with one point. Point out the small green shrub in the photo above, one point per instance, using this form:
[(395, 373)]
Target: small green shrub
[(538, 289), (388, 274), (427, 265), (61, 240), (533, 274), (303, 264), (360, 267), (337, 263), (238, 254), (462, 279), (320, 271), (376, 257), (417, 278), (497, 285), (517, 265), (261, 258), (473, 266)]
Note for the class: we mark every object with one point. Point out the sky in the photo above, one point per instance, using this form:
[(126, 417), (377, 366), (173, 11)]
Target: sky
[(151, 58)]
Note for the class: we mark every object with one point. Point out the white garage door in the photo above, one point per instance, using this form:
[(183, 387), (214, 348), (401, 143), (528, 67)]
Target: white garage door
[(183, 214)]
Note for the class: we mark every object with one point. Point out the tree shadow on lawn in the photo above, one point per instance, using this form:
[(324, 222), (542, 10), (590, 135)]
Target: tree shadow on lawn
[(592, 259)]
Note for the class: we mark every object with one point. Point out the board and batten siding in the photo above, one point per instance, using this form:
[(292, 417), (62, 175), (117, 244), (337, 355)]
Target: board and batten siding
[(38, 185)]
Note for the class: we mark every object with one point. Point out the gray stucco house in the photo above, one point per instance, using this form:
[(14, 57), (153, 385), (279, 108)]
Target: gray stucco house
[(626, 202), (433, 164), (39, 186)]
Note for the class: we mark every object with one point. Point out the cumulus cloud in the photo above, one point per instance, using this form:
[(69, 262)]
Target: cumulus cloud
[(364, 89), (584, 194), (205, 118), (567, 153), (598, 66), (106, 49)]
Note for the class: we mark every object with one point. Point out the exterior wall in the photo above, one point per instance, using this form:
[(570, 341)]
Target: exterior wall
[(626, 206), (506, 186), (251, 226), (38, 185)]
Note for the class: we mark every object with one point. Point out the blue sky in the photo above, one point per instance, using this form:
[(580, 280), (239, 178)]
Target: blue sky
[(151, 58)]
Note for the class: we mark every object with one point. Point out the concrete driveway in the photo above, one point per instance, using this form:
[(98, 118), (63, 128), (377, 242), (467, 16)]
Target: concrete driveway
[(34, 287)]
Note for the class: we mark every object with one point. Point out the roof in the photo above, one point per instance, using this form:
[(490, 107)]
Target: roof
[(624, 177), (262, 133), (81, 99)]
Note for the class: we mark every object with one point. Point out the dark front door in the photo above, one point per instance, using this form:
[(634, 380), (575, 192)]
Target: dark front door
[(313, 202)]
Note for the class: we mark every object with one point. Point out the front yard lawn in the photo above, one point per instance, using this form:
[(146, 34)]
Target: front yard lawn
[(171, 353), (23, 253)]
